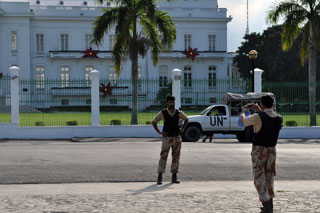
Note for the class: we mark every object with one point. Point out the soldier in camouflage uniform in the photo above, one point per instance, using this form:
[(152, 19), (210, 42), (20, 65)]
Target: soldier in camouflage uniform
[(171, 138), (267, 125)]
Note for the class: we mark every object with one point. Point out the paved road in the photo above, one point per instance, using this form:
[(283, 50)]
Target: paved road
[(129, 160)]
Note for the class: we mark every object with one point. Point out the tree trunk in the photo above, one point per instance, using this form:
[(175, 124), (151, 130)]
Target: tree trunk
[(134, 80), (312, 76), (134, 74)]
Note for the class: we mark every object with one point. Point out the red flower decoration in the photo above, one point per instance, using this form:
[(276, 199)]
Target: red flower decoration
[(191, 53), (90, 53), (106, 90)]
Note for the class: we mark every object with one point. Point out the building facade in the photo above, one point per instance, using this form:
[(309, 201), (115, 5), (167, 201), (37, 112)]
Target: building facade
[(47, 39)]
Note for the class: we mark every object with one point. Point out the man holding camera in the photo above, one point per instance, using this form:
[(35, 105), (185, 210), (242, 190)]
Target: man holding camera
[(266, 124)]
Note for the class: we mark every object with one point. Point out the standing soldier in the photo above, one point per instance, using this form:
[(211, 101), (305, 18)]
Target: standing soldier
[(267, 125), (170, 138)]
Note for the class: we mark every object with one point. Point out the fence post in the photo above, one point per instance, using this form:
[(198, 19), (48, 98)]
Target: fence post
[(14, 72), (257, 80), (176, 80), (95, 102)]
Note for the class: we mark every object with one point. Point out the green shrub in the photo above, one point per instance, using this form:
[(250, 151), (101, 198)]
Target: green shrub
[(291, 123), (39, 123), (148, 122), (115, 122), (72, 123)]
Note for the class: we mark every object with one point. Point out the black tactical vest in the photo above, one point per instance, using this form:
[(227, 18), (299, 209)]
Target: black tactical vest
[(269, 132), (171, 123)]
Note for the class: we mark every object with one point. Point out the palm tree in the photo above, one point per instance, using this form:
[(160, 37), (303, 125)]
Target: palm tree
[(156, 32), (301, 17)]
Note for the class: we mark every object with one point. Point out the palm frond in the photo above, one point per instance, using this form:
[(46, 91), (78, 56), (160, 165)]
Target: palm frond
[(147, 8), (119, 51), (283, 9), (167, 29), (304, 48), (143, 46), (290, 31), (152, 35), (122, 40), (116, 2), (104, 23)]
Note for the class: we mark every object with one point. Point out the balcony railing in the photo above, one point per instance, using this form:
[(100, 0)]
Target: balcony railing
[(77, 54)]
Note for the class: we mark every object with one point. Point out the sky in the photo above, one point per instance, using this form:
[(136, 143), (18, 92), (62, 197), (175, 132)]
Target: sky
[(238, 10)]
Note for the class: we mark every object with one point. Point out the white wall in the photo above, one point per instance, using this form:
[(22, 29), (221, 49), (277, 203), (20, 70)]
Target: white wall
[(11, 131)]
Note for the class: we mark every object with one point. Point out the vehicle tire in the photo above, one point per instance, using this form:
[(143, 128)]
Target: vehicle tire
[(241, 137), (192, 134), (249, 133)]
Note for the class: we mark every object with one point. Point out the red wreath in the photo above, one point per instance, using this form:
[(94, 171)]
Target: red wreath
[(191, 53), (106, 90), (90, 53)]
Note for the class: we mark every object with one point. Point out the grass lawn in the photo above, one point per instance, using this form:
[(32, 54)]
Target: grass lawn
[(84, 118)]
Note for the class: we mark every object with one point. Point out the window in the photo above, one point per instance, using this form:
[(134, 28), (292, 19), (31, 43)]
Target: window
[(219, 110), (163, 76), (65, 76), (111, 41), (213, 100), (65, 102), (88, 39), (40, 76), (113, 101), (212, 42), (39, 42), (88, 101), (212, 76), (187, 77), (112, 76), (87, 77), (64, 39), (187, 41), (14, 43), (188, 101)]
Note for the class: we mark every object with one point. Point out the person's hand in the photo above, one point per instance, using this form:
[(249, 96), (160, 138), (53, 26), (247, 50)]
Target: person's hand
[(256, 107), (164, 134), (181, 130), (244, 109)]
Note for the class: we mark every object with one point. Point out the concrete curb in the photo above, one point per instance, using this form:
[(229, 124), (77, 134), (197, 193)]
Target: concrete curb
[(13, 131)]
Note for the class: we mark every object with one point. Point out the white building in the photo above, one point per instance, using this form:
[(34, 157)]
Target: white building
[(46, 39)]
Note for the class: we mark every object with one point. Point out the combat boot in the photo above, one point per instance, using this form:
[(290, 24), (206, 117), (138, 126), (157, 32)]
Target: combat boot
[(266, 207), (174, 178), (271, 205), (159, 181)]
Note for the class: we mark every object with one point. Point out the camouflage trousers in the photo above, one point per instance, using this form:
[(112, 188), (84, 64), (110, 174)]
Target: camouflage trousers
[(175, 144), (264, 170)]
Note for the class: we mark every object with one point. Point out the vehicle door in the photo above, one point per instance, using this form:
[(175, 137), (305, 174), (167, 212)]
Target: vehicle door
[(217, 119), (235, 124)]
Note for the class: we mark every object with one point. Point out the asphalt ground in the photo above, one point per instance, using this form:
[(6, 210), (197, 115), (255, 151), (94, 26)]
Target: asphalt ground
[(97, 160)]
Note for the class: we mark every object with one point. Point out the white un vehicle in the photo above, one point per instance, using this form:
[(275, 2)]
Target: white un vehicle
[(223, 118)]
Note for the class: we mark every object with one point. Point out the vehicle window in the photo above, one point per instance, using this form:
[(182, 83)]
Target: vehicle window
[(205, 111), (216, 111)]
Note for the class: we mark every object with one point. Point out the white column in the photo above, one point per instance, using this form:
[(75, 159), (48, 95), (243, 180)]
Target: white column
[(258, 80), (95, 102), (14, 72), (176, 80)]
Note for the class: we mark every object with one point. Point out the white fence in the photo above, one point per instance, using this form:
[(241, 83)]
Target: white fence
[(13, 131)]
